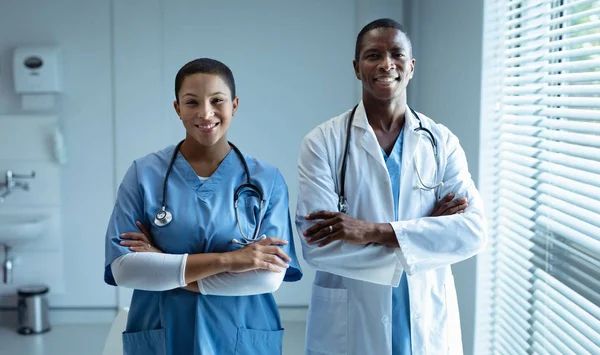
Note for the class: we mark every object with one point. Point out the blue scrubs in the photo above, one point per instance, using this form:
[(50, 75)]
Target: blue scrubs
[(179, 321), (400, 304)]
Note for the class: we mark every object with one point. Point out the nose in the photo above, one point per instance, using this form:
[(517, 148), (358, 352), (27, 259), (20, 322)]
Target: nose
[(387, 63), (205, 113)]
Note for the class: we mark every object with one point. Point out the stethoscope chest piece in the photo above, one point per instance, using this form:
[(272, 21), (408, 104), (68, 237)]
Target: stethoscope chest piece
[(162, 218)]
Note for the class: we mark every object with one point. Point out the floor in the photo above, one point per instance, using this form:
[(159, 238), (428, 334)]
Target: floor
[(89, 340)]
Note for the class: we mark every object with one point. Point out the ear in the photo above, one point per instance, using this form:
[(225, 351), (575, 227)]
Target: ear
[(412, 68), (176, 107), (236, 102), (356, 69)]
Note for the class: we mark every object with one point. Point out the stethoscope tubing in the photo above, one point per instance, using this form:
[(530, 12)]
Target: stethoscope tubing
[(342, 202), (163, 216)]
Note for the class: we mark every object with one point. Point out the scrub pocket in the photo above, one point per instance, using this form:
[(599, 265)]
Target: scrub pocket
[(148, 342), (327, 331), (258, 342)]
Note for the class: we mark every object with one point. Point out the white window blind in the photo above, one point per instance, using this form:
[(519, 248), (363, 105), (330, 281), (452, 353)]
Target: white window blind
[(538, 289)]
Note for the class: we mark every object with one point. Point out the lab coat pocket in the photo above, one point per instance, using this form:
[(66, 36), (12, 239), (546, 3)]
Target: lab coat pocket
[(148, 342), (258, 342), (327, 330)]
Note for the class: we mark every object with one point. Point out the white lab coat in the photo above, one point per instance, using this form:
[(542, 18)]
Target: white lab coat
[(350, 308)]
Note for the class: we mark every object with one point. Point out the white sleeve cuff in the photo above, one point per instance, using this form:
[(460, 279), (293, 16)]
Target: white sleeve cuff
[(403, 252), (182, 271), (150, 271), (253, 282)]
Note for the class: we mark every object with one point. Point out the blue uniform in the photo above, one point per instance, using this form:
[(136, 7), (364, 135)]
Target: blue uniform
[(179, 321), (400, 298)]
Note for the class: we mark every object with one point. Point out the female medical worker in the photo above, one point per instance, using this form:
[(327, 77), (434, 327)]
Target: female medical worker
[(205, 294), (399, 164)]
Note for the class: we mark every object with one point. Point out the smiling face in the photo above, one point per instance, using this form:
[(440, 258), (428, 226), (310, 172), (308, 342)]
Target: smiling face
[(384, 64), (205, 106)]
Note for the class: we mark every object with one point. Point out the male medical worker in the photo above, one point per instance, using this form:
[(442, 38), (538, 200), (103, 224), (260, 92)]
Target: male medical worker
[(383, 283)]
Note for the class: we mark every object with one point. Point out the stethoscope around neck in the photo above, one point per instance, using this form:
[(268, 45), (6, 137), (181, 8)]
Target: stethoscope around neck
[(343, 201), (163, 217)]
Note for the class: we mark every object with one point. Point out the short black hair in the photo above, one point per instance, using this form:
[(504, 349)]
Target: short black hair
[(380, 23), (205, 66)]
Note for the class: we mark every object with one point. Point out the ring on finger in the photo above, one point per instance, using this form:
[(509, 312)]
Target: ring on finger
[(149, 246), (330, 229)]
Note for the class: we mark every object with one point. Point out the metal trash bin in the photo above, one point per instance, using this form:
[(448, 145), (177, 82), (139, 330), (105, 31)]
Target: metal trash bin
[(33, 310)]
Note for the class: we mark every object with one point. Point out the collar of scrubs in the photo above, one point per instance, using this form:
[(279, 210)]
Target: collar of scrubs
[(204, 189), (360, 118), (393, 163), (396, 153)]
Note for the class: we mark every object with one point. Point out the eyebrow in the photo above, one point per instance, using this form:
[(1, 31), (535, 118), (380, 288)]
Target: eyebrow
[(213, 94), (372, 49)]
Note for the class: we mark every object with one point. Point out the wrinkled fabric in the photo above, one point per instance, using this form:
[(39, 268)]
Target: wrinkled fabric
[(179, 321), (400, 300)]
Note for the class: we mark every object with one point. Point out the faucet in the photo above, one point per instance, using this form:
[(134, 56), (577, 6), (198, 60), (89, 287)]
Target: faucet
[(11, 183), (7, 266)]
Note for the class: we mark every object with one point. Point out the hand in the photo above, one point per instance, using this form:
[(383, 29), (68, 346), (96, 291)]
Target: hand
[(262, 255), (338, 226), (447, 206), (140, 242)]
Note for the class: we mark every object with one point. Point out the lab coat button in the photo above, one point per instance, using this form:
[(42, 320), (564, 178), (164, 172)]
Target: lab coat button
[(385, 319)]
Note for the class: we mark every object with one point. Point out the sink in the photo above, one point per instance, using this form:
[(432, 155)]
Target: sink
[(17, 229)]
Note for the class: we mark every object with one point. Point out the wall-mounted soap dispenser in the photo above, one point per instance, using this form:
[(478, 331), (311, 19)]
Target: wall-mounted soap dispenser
[(38, 76)]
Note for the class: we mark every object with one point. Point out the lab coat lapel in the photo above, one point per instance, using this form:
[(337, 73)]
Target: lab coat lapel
[(368, 141), (384, 208), (411, 140), (407, 175)]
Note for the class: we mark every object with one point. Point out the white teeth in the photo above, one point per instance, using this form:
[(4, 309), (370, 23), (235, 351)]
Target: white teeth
[(207, 126), (385, 80)]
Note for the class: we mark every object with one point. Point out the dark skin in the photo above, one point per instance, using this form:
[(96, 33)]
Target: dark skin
[(205, 99), (356, 231), (385, 67)]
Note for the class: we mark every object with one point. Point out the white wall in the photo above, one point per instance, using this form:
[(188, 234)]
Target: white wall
[(447, 44), (82, 29), (293, 66)]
